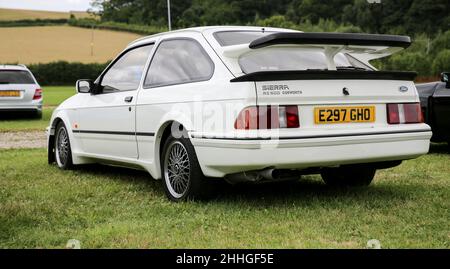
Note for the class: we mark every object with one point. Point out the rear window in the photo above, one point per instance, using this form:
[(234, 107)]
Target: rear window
[(293, 59), (283, 59), (231, 38), (15, 77)]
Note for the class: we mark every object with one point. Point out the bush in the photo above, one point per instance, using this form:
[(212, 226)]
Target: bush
[(442, 62), (429, 57), (276, 21), (65, 73), (410, 61), (441, 42), (322, 26)]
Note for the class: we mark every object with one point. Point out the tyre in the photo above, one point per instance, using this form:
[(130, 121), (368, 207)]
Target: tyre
[(63, 151), (182, 176), (349, 176), (37, 114)]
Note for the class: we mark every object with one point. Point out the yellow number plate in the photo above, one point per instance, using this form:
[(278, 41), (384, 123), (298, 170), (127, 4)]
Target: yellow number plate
[(9, 93), (330, 115)]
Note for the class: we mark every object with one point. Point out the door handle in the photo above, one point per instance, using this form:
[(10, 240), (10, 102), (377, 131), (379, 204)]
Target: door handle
[(128, 99)]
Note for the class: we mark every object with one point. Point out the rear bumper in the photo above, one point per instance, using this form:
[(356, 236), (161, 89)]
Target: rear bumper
[(22, 108), (221, 156)]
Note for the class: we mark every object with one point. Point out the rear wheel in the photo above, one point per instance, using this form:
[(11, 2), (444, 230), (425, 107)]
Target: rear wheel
[(63, 152), (349, 176), (38, 114), (182, 176)]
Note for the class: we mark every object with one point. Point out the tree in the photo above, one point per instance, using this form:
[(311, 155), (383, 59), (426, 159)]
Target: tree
[(397, 17), (428, 16)]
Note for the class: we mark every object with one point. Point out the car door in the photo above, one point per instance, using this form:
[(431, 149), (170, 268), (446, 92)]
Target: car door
[(177, 80), (106, 125)]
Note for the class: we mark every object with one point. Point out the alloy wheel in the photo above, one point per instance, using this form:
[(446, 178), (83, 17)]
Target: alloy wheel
[(62, 147), (177, 169)]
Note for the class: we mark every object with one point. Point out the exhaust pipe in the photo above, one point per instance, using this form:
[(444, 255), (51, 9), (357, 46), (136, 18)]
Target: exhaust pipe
[(266, 175), (279, 174), (269, 174)]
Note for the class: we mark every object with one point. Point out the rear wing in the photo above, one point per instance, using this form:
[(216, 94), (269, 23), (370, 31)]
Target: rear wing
[(345, 39), (364, 47)]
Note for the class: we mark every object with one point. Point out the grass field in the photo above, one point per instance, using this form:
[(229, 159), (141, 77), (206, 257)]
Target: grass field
[(105, 207), (45, 44), (24, 14), (53, 96)]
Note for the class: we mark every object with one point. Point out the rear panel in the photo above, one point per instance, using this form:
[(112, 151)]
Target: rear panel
[(11, 94), (311, 95), (17, 87)]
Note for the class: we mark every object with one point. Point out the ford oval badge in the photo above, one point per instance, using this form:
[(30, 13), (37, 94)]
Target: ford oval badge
[(403, 89)]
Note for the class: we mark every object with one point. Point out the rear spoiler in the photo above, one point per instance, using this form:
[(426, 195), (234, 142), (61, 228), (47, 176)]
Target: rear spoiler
[(326, 74), (345, 39)]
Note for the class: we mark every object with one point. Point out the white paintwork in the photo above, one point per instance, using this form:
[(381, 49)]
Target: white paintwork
[(25, 101), (193, 105)]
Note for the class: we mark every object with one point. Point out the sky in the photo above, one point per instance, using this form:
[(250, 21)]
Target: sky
[(52, 5)]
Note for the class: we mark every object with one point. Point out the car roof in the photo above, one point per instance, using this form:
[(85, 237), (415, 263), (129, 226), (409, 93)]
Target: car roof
[(203, 29), (19, 67)]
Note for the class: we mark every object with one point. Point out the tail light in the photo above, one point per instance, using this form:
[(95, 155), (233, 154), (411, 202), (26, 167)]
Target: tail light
[(404, 113), (267, 117), (37, 94)]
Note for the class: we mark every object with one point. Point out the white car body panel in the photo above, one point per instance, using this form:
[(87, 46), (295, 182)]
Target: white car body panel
[(222, 157), (218, 145), (106, 107)]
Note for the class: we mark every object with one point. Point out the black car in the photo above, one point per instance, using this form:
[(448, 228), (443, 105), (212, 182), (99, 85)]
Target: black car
[(435, 101)]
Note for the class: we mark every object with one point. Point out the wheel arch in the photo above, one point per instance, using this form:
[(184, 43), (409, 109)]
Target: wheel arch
[(64, 117), (51, 140), (160, 138)]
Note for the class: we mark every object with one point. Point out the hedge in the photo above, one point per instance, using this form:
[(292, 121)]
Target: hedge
[(116, 26), (37, 22), (65, 73), (87, 23)]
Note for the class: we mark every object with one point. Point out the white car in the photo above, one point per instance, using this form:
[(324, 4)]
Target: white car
[(19, 90), (246, 104)]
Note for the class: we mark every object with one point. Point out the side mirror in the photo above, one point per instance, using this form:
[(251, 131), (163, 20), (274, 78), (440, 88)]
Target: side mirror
[(445, 77), (85, 85)]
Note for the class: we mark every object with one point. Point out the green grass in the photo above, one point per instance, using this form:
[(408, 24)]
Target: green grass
[(53, 96), (105, 207)]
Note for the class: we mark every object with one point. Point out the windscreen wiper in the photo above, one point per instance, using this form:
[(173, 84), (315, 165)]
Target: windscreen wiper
[(4, 82)]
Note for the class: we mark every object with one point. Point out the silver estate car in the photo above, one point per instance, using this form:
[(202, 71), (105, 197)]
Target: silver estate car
[(19, 90)]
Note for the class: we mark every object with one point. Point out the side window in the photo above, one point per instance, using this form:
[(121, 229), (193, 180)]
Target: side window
[(179, 61), (126, 72)]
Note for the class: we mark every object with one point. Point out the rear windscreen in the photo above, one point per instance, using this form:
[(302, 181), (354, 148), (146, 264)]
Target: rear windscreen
[(292, 59), (231, 38), (15, 77)]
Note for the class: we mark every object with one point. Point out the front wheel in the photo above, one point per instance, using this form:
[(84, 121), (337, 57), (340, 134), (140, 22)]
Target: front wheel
[(349, 176), (63, 152), (182, 176)]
